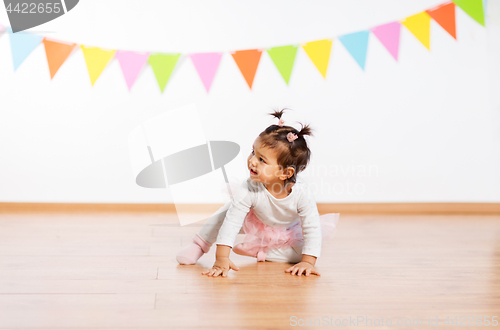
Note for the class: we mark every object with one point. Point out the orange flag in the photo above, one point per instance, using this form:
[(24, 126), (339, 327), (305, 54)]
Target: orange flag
[(57, 52), (444, 15), (248, 61)]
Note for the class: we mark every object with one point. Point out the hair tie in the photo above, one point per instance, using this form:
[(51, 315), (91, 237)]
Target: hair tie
[(281, 123), (291, 136)]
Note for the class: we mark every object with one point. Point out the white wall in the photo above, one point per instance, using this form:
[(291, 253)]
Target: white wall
[(425, 129)]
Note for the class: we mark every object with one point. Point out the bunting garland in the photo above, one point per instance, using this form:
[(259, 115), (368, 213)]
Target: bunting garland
[(163, 65), (21, 45), (444, 15), (96, 59), (420, 26), (357, 44), (388, 35), (131, 64), (57, 52), (283, 57), (206, 64), (248, 61), (473, 8), (319, 53)]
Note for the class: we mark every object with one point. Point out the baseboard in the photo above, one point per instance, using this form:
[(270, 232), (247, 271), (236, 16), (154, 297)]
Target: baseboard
[(345, 208)]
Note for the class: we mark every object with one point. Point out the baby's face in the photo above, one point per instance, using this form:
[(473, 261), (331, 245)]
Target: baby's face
[(263, 164)]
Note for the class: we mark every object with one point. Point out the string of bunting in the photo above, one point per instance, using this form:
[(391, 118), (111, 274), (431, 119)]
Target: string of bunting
[(206, 64)]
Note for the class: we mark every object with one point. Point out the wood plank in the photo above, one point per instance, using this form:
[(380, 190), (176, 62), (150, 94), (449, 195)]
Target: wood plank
[(323, 208)]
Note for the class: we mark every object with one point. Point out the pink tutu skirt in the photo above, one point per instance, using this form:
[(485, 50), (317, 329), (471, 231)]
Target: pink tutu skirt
[(261, 237)]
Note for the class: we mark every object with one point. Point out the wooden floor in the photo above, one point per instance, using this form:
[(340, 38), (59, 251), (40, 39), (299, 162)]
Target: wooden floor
[(118, 271)]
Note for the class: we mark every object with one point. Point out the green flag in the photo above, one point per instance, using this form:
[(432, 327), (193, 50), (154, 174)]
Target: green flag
[(283, 57), (473, 8), (163, 65)]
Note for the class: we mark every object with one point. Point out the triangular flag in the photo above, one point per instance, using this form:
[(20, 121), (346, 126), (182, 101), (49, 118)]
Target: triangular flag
[(444, 15), (357, 44), (319, 53), (96, 59), (248, 61), (163, 65), (388, 34), (206, 64), (283, 57), (21, 45), (473, 8), (420, 26), (57, 52), (131, 64)]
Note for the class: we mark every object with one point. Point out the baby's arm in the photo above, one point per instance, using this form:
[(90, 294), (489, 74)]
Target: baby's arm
[(240, 206), (309, 259), (311, 230), (231, 226), (222, 263), (305, 266), (310, 221)]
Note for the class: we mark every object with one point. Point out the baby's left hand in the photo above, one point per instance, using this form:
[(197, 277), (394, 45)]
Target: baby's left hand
[(301, 267)]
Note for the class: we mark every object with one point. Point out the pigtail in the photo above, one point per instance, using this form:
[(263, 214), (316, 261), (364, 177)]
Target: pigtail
[(278, 113), (305, 130)]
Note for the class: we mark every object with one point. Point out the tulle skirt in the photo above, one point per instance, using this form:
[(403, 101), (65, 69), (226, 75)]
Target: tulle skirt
[(261, 237)]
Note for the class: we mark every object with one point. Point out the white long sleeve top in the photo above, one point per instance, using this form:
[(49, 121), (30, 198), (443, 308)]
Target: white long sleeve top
[(299, 205)]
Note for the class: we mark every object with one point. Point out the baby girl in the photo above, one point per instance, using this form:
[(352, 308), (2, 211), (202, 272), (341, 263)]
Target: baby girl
[(274, 208)]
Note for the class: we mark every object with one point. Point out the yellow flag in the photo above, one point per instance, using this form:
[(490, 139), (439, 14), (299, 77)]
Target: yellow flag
[(420, 26), (96, 59), (319, 52)]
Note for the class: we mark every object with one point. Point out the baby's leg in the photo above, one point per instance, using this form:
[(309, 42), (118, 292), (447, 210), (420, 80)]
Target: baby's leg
[(291, 254), (210, 229), (204, 239)]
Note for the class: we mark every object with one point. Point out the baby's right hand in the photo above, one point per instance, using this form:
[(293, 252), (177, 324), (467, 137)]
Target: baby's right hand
[(221, 266)]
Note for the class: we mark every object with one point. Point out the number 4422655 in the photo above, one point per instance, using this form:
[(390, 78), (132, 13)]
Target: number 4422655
[(33, 8)]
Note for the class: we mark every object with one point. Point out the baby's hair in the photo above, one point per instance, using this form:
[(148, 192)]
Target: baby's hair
[(294, 154)]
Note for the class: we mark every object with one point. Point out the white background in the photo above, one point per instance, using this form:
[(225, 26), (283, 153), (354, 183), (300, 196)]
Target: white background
[(423, 129)]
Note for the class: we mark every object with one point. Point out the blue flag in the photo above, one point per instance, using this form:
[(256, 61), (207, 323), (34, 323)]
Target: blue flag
[(21, 45), (356, 44)]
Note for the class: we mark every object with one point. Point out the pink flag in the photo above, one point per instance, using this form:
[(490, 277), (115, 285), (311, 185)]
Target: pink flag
[(206, 64), (388, 34), (131, 64), (2, 29)]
